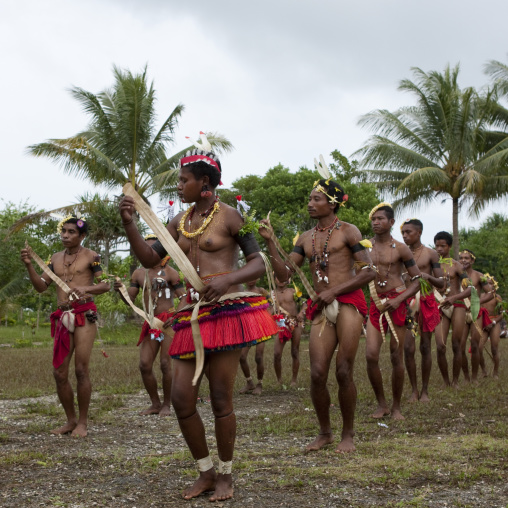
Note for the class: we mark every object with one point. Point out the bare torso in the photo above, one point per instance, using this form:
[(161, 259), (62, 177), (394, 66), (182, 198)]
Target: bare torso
[(388, 257)]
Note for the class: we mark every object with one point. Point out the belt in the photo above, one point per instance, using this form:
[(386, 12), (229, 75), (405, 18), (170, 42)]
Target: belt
[(69, 306)]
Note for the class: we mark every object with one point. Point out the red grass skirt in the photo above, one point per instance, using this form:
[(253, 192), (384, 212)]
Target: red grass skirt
[(356, 298), (428, 314), (398, 315), (154, 334), (226, 325)]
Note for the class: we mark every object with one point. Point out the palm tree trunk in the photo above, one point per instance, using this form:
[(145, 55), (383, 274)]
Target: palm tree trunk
[(455, 226)]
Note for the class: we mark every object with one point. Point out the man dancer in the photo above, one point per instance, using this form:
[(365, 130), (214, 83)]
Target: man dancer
[(250, 387), (77, 267), (164, 286), (476, 279), (332, 247), (388, 297), (427, 261), (291, 331), (453, 309), (493, 331)]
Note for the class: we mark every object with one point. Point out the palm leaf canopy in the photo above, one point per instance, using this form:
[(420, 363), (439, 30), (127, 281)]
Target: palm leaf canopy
[(121, 143), (442, 146)]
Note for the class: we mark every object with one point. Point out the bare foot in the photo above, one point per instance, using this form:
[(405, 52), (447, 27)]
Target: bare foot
[(152, 410), (80, 430), (293, 384), (320, 441), (455, 385), (165, 410), (204, 483), (413, 397), (65, 429), (346, 445), (424, 397), (247, 388), (380, 412), (258, 390), (397, 415), (223, 488)]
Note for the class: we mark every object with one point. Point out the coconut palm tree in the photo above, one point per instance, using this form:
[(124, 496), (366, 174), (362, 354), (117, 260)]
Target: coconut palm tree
[(121, 143), (448, 145)]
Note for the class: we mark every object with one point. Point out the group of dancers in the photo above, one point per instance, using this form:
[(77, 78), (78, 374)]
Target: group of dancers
[(223, 318)]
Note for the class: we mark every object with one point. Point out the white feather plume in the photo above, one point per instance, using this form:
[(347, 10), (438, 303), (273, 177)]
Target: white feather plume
[(322, 168), (204, 145)]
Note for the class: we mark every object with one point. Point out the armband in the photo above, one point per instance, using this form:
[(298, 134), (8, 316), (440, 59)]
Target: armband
[(134, 285), (357, 248), (50, 266), (436, 265), (182, 296), (178, 285), (159, 249), (45, 281), (247, 243), (96, 267), (415, 277), (409, 262), (463, 275), (299, 250)]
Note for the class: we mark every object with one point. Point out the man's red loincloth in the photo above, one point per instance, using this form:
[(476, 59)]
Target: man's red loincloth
[(428, 314), (147, 331), (398, 315), (484, 314), (62, 343), (355, 298)]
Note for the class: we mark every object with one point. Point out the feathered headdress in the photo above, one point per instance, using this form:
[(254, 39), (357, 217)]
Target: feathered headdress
[(323, 170), (202, 152)]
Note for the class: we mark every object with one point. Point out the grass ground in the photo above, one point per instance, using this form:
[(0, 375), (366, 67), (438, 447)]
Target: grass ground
[(452, 451)]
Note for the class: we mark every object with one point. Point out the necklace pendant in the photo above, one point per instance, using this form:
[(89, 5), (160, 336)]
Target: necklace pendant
[(325, 279)]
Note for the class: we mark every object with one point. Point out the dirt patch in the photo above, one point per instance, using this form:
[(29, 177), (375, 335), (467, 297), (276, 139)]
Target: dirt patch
[(142, 461)]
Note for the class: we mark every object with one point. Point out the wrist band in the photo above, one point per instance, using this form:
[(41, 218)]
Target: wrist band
[(127, 223)]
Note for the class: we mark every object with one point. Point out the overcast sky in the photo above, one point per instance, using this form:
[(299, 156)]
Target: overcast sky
[(283, 80)]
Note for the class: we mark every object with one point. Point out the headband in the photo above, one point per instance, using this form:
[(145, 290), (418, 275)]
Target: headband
[(202, 152), (468, 252), (323, 170), (80, 221), (377, 207)]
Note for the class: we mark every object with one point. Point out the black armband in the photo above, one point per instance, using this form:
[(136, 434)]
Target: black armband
[(247, 243), (409, 262), (96, 267), (463, 275), (50, 266), (357, 248), (178, 285), (134, 285), (436, 265), (299, 250), (159, 249)]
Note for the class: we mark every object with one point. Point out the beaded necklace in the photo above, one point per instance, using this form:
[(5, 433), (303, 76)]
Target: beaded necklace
[(190, 212), (66, 277), (383, 283), (321, 260)]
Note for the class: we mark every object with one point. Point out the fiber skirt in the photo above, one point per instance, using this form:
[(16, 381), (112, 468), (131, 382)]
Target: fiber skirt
[(229, 324)]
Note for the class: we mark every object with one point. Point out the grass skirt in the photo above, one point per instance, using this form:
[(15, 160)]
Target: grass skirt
[(225, 325)]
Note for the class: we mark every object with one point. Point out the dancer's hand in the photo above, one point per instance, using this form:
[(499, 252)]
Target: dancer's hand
[(215, 288), (127, 209), (26, 257)]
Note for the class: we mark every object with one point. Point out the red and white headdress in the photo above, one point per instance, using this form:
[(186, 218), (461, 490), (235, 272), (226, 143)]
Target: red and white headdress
[(202, 152)]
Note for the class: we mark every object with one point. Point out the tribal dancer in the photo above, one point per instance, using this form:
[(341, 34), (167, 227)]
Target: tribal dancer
[(453, 309), (493, 331), (388, 307), (481, 284), (73, 323), (428, 318), (293, 322), (332, 247), (210, 234), (164, 286), (250, 387)]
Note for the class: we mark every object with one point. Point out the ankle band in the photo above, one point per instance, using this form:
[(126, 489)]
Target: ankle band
[(205, 464), (225, 467)]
